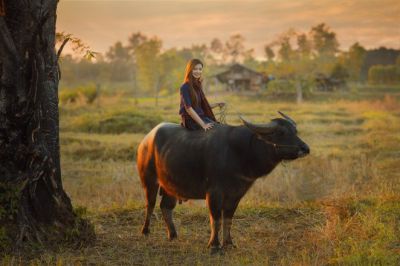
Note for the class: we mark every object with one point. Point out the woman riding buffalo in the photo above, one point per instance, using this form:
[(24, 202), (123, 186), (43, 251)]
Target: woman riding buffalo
[(195, 110)]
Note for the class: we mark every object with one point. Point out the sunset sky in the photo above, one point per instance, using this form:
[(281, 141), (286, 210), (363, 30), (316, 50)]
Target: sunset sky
[(181, 23)]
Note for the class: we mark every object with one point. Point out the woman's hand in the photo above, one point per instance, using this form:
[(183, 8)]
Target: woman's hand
[(196, 117), (208, 126)]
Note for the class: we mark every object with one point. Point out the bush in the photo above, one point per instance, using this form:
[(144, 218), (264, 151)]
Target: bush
[(116, 122), (98, 150), (379, 74), (87, 93), (286, 88), (68, 96), (281, 86)]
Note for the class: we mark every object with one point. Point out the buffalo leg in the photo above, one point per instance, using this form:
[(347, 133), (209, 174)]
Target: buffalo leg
[(151, 196), (229, 209), (167, 204), (214, 202)]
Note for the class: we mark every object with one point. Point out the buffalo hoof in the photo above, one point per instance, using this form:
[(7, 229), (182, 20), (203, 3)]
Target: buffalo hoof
[(172, 236), (145, 231), (216, 250)]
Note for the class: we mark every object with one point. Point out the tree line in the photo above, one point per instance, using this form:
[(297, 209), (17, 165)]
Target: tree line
[(293, 55)]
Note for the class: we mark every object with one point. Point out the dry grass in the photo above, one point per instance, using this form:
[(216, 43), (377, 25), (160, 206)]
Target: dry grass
[(259, 234), (345, 232), (339, 205)]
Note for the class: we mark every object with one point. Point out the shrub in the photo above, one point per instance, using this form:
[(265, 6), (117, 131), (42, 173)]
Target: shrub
[(288, 87), (68, 96), (380, 74), (281, 86), (88, 94), (116, 122), (98, 150)]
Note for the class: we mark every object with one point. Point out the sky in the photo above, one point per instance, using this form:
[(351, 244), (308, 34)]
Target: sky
[(181, 23)]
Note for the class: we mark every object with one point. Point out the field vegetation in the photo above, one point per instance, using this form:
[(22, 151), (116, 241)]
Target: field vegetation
[(338, 206)]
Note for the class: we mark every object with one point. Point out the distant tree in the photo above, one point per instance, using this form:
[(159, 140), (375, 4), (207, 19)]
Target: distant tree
[(355, 59), (324, 41), (249, 60), (69, 68), (234, 47), (217, 50), (80, 70), (339, 74), (90, 70), (171, 70), (380, 56), (296, 66), (216, 46), (316, 50), (135, 40), (325, 47), (200, 51), (147, 64), (120, 60), (304, 46), (285, 50), (118, 52), (270, 54), (185, 54)]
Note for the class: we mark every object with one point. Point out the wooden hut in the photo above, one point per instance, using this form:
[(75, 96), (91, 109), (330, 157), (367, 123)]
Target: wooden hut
[(241, 78)]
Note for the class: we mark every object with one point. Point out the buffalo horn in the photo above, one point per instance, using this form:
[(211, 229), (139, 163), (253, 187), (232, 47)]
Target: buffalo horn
[(287, 118), (260, 128)]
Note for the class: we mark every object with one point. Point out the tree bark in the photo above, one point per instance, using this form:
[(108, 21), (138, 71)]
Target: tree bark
[(29, 122)]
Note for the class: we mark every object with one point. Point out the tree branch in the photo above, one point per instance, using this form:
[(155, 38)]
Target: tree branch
[(62, 47)]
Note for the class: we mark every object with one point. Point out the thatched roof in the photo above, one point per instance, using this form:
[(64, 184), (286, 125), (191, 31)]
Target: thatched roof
[(237, 68)]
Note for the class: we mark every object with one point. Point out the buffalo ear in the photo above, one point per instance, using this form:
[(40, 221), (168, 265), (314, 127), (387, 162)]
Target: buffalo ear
[(260, 128)]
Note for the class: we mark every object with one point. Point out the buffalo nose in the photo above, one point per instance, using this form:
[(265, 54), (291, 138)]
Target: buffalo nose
[(305, 149)]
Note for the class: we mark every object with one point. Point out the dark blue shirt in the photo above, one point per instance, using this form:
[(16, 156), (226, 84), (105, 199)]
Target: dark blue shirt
[(186, 102)]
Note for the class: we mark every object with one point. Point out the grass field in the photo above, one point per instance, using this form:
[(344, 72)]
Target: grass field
[(339, 205)]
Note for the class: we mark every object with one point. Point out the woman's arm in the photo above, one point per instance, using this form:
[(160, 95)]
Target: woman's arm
[(198, 120)]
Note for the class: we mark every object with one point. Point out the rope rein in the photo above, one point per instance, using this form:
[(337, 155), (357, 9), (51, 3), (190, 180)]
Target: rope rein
[(277, 145), (221, 115)]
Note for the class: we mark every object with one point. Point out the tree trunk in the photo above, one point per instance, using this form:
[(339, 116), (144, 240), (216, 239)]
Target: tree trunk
[(29, 124), (157, 89), (299, 92)]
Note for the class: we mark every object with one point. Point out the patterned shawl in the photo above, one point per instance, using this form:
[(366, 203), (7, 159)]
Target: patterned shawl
[(206, 106)]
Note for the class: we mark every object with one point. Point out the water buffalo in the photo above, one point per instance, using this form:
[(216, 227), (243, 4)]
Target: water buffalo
[(219, 165)]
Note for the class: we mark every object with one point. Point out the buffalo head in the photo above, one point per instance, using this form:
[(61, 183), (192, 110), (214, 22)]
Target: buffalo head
[(281, 133)]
